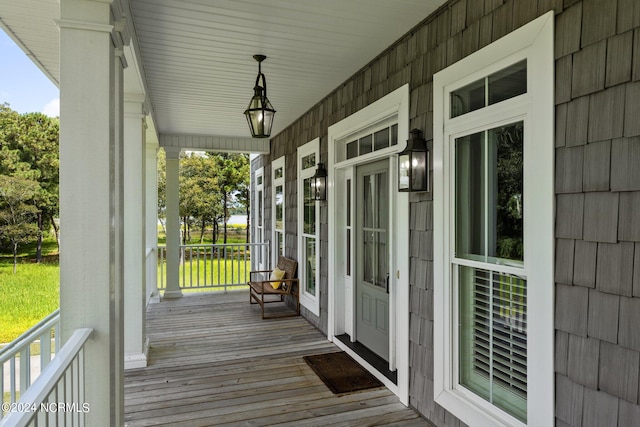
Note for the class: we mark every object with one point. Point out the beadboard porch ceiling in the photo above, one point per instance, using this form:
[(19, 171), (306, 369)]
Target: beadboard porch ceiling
[(196, 55)]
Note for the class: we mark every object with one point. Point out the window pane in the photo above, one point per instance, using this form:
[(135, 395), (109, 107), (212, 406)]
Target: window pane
[(365, 144), (489, 188), (260, 209), (280, 242), (352, 149), (394, 135), (309, 213), (279, 207), (509, 226), (381, 139), (309, 161), (310, 255), (278, 173), (348, 260), (348, 202), (507, 83), (468, 98), (493, 338), (259, 180), (470, 196)]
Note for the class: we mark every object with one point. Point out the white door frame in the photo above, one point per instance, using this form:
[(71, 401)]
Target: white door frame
[(394, 105)]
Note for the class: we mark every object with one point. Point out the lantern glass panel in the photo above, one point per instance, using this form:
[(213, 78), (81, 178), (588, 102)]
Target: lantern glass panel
[(419, 171), (404, 172)]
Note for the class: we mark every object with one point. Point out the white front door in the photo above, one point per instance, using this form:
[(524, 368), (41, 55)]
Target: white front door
[(372, 257)]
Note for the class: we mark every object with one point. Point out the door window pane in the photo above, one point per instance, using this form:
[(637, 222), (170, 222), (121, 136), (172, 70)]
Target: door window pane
[(381, 139), (375, 219), (352, 149), (365, 144)]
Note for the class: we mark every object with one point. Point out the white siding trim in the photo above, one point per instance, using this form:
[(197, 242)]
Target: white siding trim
[(535, 42), (310, 302), (395, 103), (227, 144)]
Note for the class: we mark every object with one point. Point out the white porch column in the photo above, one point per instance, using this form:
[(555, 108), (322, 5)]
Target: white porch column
[(91, 260), (173, 223), (135, 345), (151, 223)]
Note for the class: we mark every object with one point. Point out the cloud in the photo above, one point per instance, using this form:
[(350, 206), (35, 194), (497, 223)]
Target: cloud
[(52, 109)]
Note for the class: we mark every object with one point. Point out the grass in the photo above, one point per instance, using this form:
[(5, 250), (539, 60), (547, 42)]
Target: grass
[(195, 273), (29, 295), (34, 291)]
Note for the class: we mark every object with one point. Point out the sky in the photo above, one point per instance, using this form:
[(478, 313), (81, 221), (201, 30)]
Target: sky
[(22, 85)]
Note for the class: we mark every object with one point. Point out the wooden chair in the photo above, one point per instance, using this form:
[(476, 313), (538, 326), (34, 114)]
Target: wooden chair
[(262, 292)]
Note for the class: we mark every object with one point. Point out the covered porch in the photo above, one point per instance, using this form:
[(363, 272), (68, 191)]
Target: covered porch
[(213, 361)]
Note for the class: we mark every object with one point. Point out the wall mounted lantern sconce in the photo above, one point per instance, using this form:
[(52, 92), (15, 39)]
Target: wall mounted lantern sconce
[(413, 164), (260, 111), (320, 183)]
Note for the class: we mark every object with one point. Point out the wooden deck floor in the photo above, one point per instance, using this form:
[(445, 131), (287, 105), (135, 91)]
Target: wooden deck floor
[(213, 361)]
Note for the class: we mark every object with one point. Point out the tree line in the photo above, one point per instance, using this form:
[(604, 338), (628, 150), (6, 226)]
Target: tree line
[(29, 178), (212, 185)]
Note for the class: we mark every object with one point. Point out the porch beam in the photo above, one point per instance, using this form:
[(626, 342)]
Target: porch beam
[(227, 144)]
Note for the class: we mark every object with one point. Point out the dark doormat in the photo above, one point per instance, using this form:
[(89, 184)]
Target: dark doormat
[(341, 373)]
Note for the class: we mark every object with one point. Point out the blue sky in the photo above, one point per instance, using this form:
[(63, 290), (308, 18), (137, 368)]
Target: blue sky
[(22, 85)]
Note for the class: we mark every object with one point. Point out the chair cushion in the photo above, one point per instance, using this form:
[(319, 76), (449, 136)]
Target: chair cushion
[(276, 274)]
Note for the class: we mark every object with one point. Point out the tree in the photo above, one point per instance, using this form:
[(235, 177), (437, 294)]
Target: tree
[(29, 148), (233, 180), (210, 186), (18, 212)]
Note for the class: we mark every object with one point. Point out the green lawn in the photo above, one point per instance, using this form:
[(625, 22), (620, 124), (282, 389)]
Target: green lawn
[(29, 295), (34, 291), (201, 272)]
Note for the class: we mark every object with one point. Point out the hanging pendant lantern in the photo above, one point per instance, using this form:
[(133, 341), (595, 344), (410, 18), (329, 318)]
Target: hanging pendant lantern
[(260, 111)]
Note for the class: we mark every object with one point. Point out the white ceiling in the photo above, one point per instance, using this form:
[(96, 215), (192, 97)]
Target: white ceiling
[(197, 55)]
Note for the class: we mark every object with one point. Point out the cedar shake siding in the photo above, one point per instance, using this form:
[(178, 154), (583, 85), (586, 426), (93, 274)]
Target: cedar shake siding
[(597, 186)]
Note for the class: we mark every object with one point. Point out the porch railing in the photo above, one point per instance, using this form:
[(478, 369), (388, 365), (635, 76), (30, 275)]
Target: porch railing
[(20, 362), (57, 396), (216, 267)]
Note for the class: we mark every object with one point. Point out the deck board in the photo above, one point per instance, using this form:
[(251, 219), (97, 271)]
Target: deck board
[(214, 361)]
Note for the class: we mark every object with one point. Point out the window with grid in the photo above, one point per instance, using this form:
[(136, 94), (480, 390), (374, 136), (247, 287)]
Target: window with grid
[(488, 256)]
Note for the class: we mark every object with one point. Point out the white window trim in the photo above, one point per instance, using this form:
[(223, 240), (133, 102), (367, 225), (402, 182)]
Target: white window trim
[(307, 300), (396, 104), (533, 41), (259, 191), (276, 164)]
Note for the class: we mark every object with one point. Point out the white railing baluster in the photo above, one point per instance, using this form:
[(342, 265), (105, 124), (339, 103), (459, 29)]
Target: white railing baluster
[(12, 380), (25, 367), (224, 265), (56, 383), (17, 355)]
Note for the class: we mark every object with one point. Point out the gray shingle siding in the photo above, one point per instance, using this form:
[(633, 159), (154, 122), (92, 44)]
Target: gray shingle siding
[(597, 171)]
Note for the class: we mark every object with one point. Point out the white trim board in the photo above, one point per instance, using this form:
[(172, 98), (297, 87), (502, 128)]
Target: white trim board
[(395, 104), (534, 42)]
